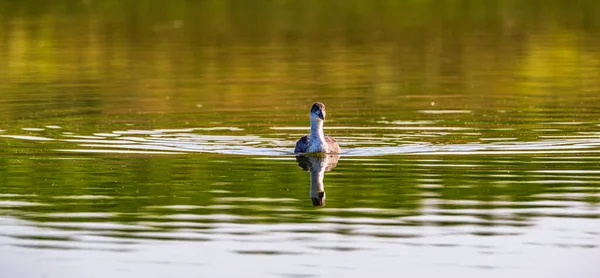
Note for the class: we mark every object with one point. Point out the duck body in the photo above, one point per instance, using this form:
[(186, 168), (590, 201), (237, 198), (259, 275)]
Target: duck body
[(327, 145)]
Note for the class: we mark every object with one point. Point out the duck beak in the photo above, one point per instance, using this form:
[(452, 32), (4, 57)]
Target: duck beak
[(321, 115)]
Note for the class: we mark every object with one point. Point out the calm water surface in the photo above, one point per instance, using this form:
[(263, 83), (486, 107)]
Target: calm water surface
[(156, 141)]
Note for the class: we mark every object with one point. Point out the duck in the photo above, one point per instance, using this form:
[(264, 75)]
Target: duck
[(317, 141)]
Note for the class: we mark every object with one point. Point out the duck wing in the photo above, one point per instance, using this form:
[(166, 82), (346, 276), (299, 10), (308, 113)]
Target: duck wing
[(332, 144), (302, 145)]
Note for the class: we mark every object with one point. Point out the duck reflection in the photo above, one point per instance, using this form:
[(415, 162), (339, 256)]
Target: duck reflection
[(317, 166)]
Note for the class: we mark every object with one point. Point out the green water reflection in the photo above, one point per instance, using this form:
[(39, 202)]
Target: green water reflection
[(125, 189), (78, 61)]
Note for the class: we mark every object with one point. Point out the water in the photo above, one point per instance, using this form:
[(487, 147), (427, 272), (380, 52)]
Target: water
[(154, 139)]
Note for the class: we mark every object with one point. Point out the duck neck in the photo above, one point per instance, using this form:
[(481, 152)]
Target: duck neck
[(316, 182), (316, 132), (317, 187)]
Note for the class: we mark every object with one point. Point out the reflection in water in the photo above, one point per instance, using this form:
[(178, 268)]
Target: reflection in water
[(438, 213), (317, 166)]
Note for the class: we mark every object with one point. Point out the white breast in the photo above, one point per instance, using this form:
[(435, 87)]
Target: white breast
[(316, 146)]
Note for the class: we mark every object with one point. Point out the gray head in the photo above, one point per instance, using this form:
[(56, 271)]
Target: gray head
[(317, 111), (318, 200)]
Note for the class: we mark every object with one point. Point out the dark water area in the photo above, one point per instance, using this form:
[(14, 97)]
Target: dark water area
[(155, 139)]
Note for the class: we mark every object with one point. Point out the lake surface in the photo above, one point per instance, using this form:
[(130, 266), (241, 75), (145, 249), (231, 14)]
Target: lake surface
[(156, 140)]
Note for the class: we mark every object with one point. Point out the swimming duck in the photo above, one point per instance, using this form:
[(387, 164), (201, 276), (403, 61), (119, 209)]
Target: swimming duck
[(317, 141)]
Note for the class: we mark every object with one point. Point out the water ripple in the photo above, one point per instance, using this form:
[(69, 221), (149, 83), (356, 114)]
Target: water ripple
[(404, 138)]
